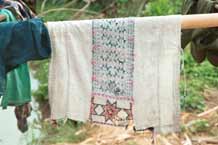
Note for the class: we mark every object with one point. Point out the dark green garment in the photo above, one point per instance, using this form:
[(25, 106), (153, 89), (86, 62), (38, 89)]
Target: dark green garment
[(204, 42), (21, 42), (18, 89)]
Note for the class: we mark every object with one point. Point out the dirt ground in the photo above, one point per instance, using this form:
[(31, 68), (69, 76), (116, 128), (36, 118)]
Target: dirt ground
[(202, 133)]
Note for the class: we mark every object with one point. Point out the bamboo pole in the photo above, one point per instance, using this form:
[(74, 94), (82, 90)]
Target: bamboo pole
[(199, 21)]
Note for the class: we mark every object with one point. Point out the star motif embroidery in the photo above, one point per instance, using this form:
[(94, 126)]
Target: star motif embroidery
[(110, 111)]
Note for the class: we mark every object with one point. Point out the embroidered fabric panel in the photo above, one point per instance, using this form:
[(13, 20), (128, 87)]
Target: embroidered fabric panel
[(113, 56), (110, 111), (112, 66)]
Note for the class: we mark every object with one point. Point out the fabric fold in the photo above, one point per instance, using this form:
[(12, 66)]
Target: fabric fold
[(110, 71), (157, 71), (14, 36), (70, 69), (18, 88)]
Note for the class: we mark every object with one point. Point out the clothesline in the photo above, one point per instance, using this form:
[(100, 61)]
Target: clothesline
[(199, 21), (191, 21)]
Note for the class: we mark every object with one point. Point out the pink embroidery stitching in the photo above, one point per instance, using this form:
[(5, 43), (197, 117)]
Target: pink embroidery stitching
[(113, 65)]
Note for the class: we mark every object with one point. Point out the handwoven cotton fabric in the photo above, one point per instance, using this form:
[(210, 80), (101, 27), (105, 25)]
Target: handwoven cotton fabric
[(110, 71), (112, 68), (156, 73), (70, 69)]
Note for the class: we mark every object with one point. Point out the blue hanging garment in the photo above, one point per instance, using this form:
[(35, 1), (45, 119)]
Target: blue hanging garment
[(30, 35)]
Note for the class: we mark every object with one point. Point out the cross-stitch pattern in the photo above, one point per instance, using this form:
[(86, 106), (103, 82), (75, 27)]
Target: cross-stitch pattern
[(112, 80), (113, 54), (110, 111)]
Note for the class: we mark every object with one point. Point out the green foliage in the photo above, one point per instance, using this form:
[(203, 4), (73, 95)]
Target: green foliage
[(122, 1), (56, 15), (200, 125), (131, 142), (95, 7), (163, 7), (204, 72), (195, 78), (59, 1), (41, 74), (64, 132)]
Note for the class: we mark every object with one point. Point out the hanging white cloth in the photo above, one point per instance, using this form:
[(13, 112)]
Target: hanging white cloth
[(111, 71), (70, 69), (156, 73)]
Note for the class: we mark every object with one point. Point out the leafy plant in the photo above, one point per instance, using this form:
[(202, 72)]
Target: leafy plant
[(194, 79), (163, 7), (200, 125), (41, 74), (62, 133)]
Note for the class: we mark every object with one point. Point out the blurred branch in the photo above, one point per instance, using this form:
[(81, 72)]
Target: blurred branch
[(70, 3), (188, 140), (66, 9), (208, 140), (65, 6), (208, 112), (141, 7), (77, 14), (43, 5), (108, 7)]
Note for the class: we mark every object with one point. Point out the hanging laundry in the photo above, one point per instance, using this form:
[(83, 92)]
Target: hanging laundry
[(22, 113), (9, 16), (18, 90), (31, 4), (204, 42), (32, 43), (111, 71), (156, 73), (28, 10), (30, 35), (70, 82), (14, 7), (18, 94), (112, 67), (19, 9)]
